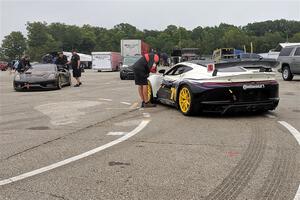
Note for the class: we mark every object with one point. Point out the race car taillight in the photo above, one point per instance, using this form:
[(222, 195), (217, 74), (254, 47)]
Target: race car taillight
[(210, 67)]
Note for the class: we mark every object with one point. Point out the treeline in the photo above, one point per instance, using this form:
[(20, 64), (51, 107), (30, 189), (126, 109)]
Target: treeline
[(43, 38)]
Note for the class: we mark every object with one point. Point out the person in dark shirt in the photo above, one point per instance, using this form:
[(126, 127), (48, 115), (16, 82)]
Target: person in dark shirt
[(75, 64), (23, 64), (142, 69), (61, 59)]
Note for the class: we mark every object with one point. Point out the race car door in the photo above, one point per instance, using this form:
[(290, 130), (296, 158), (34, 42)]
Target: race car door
[(167, 91)]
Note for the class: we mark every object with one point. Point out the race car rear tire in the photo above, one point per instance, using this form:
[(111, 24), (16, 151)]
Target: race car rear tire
[(287, 74), (186, 101), (150, 93)]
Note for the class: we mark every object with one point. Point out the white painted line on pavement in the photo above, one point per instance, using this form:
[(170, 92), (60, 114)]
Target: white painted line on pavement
[(146, 114), (126, 103), (270, 116), (116, 133), (296, 134), (118, 108), (140, 127), (291, 129), (102, 99), (297, 197), (134, 105)]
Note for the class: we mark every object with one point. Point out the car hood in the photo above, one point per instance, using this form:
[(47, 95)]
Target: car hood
[(127, 68), (33, 72)]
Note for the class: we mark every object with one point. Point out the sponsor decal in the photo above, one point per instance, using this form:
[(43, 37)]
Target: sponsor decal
[(173, 94), (253, 86)]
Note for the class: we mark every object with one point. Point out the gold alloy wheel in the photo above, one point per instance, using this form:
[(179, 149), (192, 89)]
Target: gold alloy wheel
[(149, 91), (184, 100)]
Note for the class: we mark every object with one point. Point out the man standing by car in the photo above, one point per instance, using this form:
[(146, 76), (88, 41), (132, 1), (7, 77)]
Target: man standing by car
[(62, 59), (75, 64), (23, 63), (142, 69)]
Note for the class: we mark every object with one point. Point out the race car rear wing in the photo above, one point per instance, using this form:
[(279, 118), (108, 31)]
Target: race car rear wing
[(261, 65), (248, 64)]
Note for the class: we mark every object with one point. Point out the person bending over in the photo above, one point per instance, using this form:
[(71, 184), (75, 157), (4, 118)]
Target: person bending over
[(142, 69)]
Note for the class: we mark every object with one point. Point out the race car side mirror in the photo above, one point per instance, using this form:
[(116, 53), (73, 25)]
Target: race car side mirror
[(162, 71)]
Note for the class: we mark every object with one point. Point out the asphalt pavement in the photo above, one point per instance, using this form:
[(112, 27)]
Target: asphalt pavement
[(94, 142)]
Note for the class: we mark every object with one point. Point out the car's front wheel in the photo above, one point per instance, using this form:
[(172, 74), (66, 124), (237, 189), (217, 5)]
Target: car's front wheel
[(122, 76), (185, 100), (287, 74), (59, 84)]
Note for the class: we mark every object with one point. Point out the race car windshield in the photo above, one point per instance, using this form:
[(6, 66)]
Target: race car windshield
[(130, 60), (45, 67)]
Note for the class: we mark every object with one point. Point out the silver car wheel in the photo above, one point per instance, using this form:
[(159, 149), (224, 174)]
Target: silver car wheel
[(285, 73)]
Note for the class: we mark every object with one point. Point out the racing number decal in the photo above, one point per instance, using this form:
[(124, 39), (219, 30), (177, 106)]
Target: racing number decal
[(173, 94)]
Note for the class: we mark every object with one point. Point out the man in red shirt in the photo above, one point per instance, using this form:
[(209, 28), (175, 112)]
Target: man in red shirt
[(142, 69)]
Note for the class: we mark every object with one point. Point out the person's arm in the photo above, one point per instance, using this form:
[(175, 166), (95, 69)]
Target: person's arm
[(65, 60), (78, 63)]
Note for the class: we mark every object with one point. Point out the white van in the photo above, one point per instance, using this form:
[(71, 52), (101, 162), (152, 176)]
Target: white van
[(106, 61)]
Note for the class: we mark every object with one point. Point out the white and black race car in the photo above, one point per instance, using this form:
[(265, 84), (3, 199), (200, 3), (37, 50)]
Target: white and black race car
[(224, 87)]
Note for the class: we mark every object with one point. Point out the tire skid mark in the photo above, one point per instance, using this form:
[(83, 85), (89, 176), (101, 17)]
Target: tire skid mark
[(288, 175), (282, 169), (235, 182)]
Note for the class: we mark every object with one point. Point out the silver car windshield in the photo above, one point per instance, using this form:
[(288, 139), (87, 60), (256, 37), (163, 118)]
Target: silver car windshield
[(44, 67), (130, 60)]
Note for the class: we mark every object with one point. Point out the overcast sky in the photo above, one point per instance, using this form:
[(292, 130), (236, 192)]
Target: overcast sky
[(143, 14)]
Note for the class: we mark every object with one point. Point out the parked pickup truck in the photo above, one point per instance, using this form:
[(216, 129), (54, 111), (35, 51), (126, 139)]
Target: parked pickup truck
[(289, 59)]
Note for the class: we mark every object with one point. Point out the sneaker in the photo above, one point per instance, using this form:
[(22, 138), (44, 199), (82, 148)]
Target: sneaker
[(77, 85), (149, 105), (80, 83)]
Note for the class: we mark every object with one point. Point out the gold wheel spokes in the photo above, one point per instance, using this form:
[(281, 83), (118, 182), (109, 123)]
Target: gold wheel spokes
[(149, 91), (184, 99)]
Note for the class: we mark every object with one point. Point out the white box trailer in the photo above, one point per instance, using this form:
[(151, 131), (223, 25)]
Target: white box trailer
[(133, 47), (106, 61)]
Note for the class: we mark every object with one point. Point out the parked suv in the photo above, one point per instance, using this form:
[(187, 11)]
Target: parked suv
[(289, 59)]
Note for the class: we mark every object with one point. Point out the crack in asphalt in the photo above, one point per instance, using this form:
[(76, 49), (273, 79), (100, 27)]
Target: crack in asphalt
[(31, 148), (69, 134), (44, 193), (184, 144), (207, 144)]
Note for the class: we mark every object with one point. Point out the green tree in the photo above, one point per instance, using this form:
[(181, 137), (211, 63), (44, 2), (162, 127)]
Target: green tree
[(43, 38), (295, 38), (13, 46), (235, 38), (267, 42), (40, 41)]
